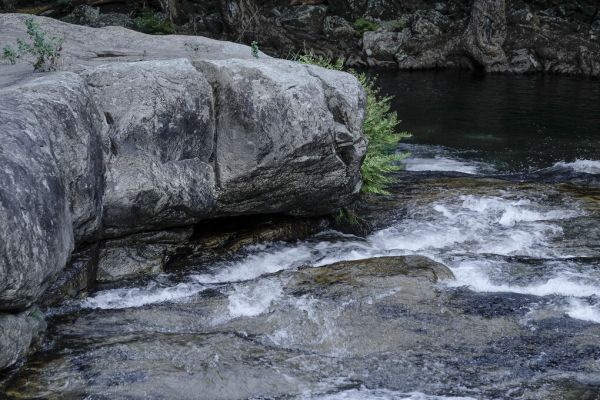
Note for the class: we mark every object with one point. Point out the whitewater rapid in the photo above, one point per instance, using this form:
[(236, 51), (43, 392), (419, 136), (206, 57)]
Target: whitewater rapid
[(477, 236)]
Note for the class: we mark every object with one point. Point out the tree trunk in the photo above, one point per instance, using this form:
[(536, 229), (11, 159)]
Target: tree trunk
[(170, 7), (485, 35)]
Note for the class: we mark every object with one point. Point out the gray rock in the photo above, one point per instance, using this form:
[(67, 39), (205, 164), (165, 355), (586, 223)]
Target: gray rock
[(353, 9), (138, 138), (144, 253), (285, 131), (17, 333), (161, 137), (84, 46), (522, 61), (305, 17), (49, 181), (428, 24), (347, 271), (335, 27), (116, 263), (384, 45), (91, 16), (83, 15), (77, 279)]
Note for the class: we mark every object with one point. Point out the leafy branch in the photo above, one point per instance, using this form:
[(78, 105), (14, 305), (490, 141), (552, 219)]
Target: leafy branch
[(46, 50)]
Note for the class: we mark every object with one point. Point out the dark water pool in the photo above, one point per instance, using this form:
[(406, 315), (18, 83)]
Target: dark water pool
[(516, 123)]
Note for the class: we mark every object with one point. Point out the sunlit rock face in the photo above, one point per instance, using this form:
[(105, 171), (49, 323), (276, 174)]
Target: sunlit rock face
[(141, 133)]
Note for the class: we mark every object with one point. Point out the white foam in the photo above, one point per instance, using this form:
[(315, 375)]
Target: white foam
[(455, 225), (252, 300), (440, 164), (137, 297), (582, 310), (477, 224), (476, 276), (268, 260), (509, 212), (382, 394), (585, 166)]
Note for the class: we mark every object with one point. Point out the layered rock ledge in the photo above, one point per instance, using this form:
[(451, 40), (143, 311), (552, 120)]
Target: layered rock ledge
[(139, 133)]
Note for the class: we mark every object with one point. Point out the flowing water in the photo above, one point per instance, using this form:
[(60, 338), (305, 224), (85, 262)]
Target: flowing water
[(503, 187)]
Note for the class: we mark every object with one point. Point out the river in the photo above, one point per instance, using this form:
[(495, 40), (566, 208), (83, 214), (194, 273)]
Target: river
[(502, 187)]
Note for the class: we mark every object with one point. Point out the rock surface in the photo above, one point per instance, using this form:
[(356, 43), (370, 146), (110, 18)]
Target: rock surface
[(317, 330), (49, 185), (562, 36), (17, 333), (141, 133)]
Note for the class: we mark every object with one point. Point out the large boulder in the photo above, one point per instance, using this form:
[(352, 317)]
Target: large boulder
[(50, 185), (140, 133), (285, 132), (160, 139)]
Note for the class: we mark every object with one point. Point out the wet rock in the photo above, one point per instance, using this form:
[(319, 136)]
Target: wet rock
[(117, 263), (139, 254), (409, 266), (120, 145), (523, 61), (77, 279), (17, 333)]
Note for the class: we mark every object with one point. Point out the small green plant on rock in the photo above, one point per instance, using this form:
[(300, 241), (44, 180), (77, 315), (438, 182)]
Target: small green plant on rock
[(380, 128), (363, 25), (148, 22), (46, 50), (399, 24), (254, 49)]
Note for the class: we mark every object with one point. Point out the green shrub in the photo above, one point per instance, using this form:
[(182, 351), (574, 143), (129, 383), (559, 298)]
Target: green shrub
[(363, 25), (254, 49), (46, 50), (148, 22), (380, 128)]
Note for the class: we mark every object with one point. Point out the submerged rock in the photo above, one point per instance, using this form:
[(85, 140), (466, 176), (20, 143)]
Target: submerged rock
[(410, 266), (312, 331), (17, 333)]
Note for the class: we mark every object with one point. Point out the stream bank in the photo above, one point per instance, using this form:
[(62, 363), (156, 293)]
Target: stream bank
[(487, 289)]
